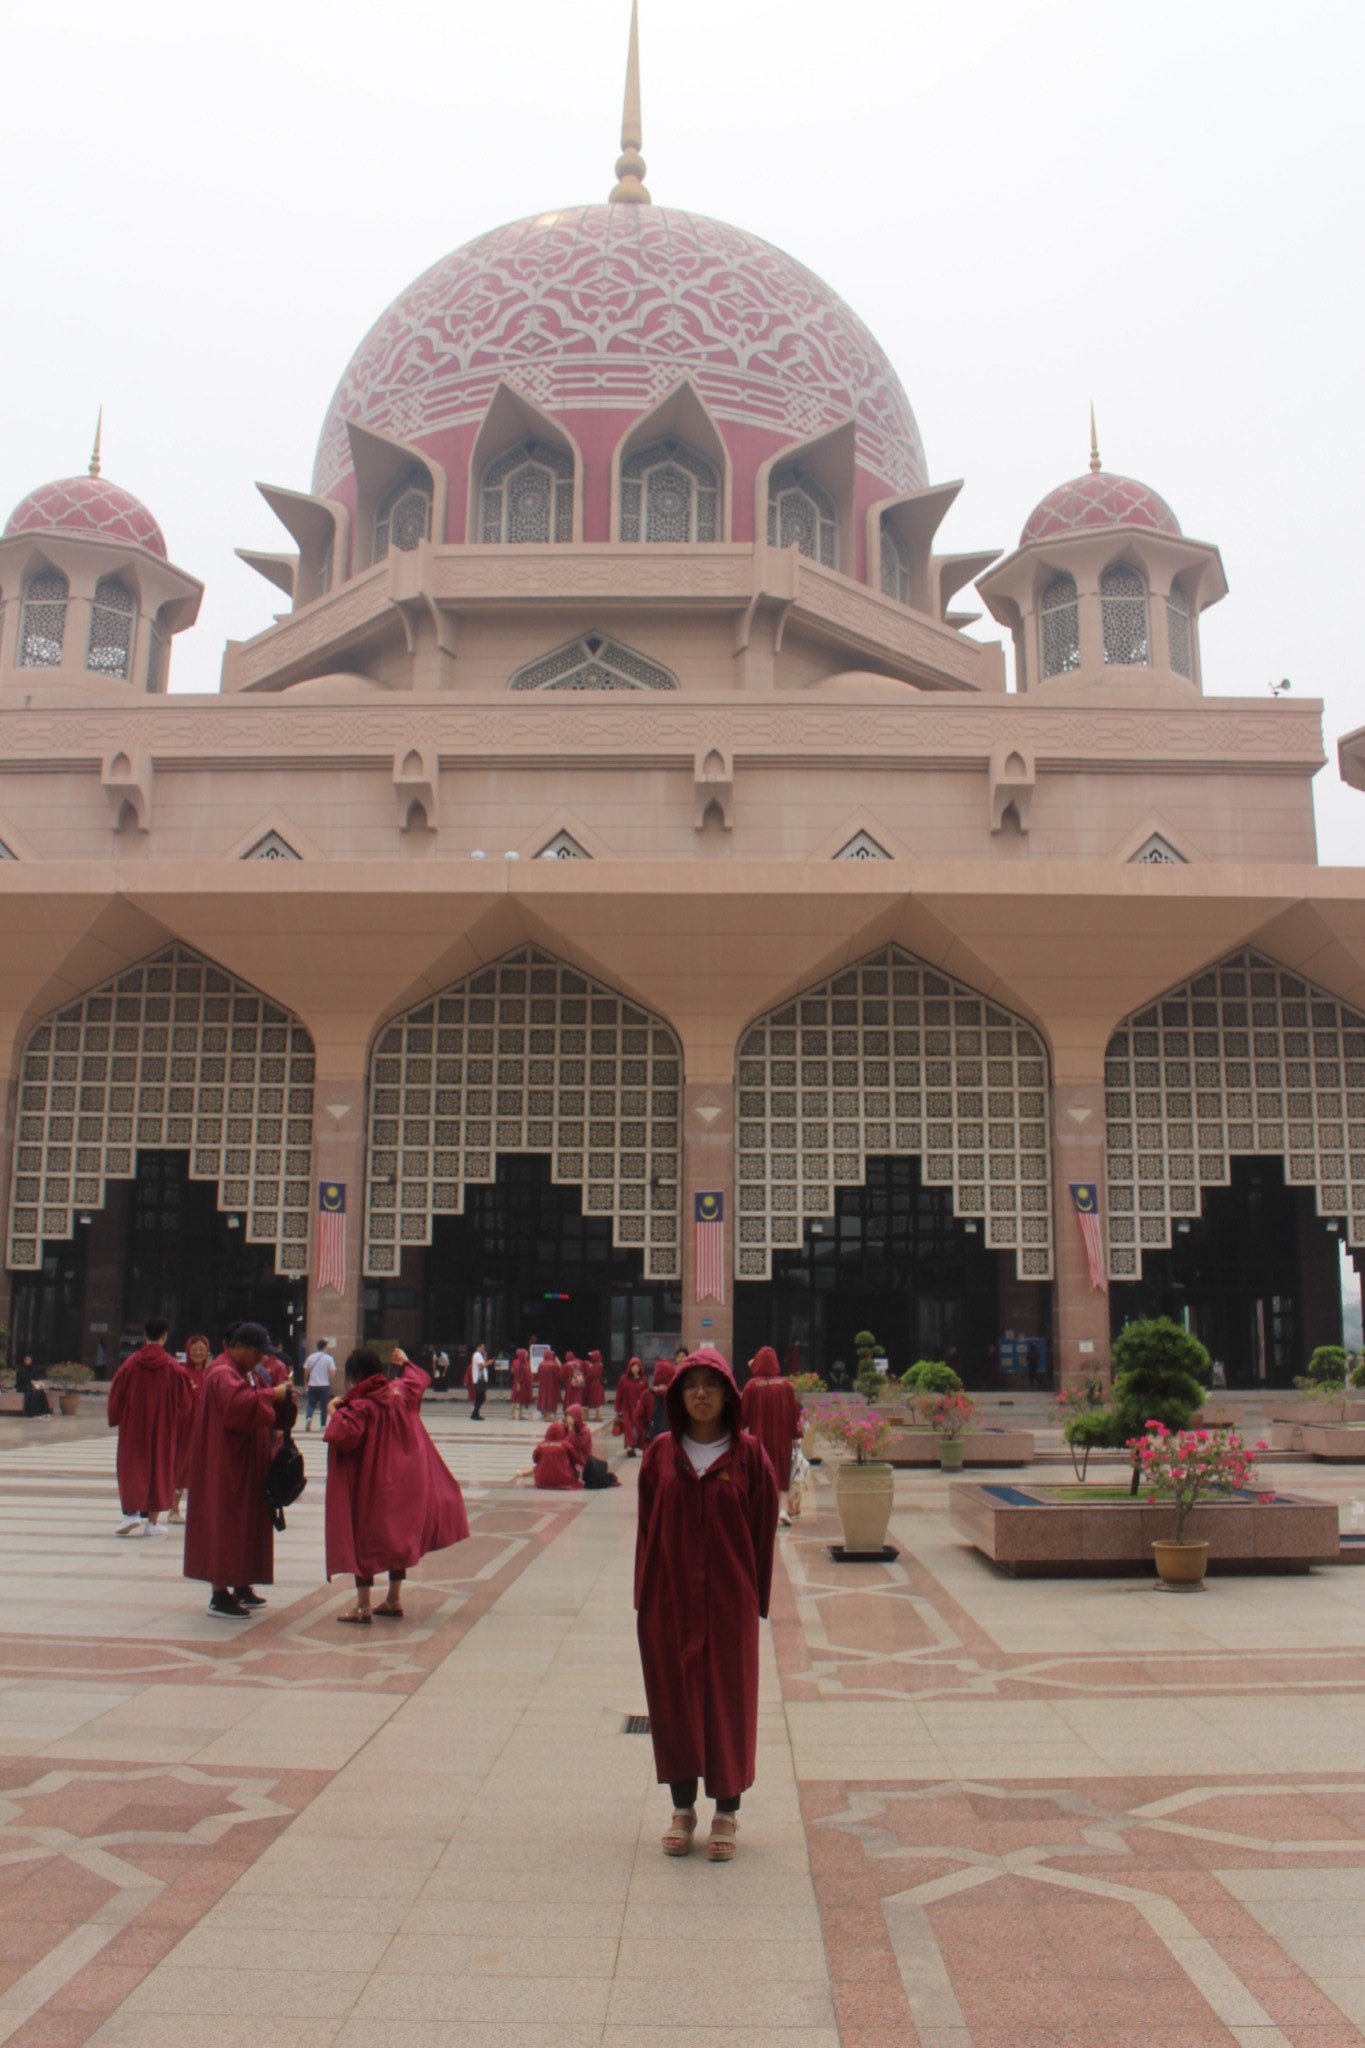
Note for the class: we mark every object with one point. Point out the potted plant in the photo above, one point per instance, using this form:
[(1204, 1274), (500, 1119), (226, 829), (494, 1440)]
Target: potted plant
[(70, 1376), (1180, 1466), (948, 1415), (864, 1487)]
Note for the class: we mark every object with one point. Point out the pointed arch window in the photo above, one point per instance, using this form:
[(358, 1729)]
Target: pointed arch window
[(669, 493), (42, 624), (1179, 634), (113, 624), (527, 495), (403, 517), (1123, 617), (895, 566), (1059, 626), (801, 514)]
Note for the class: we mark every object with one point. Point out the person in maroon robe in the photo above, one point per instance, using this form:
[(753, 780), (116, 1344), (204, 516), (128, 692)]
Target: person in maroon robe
[(634, 1407), (575, 1381), (149, 1403), (594, 1390), (549, 1386), (703, 1575), (552, 1467), (577, 1436), (229, 1534), (523, 1386), (771, 1411), (198, 1355), (390, 1495)]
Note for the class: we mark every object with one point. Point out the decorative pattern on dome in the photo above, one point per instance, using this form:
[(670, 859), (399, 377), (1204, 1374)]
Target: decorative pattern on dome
[(608, 306), (88, 504), (1098, 500)]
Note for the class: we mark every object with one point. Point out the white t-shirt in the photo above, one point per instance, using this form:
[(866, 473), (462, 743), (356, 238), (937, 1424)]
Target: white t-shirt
[(478, 1365), (703, 1456), (319, 1366)]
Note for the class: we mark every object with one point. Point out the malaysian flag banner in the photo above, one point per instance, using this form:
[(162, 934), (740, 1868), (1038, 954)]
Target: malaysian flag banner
[(1086, 1197), (331, 1258), (709, 1247)]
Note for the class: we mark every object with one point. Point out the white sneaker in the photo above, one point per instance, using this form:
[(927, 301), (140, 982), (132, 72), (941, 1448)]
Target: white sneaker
[(156, 1529), (128, 1524), (784, 1520)]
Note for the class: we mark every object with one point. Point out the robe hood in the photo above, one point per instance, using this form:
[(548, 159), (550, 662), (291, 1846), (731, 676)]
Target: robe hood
[(673, 1399), (765, 1365), (151, 1358), (575, 1414), (556, 1433)]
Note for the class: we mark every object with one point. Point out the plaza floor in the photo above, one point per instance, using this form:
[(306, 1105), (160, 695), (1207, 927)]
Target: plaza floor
[(989, 1814)]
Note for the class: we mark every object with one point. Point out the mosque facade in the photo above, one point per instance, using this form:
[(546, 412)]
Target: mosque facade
[(618, 896)]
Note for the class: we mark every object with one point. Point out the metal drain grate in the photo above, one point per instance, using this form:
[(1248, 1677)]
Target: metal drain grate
[(635, 1724)]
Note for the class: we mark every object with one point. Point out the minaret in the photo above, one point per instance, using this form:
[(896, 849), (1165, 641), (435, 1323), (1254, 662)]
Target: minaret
[(1094, 443), (95, 451), (629, 189)]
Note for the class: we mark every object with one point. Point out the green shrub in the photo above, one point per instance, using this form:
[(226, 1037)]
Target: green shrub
[(1086, 1430), (1158, 1377), (930, 1376), (1358, 1373), (869, 1382), (1328, 1363), (865, 1341)]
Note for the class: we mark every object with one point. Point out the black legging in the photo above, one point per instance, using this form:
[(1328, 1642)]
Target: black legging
[(684, 1791)]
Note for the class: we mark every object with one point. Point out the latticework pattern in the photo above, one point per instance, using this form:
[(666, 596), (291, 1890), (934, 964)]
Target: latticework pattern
[(801, 514), (42, 620), (891, 1056), (527, 495), (1157, 852), (403, 520), (113, 623), (1123, 617), (528, 1055), (593, 663), (1246, 1058), (174, 1055), (1059, 626), (669, 493)]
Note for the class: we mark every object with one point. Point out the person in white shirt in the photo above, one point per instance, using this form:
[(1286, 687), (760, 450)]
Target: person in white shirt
[(318, 1369), (478, 1382)]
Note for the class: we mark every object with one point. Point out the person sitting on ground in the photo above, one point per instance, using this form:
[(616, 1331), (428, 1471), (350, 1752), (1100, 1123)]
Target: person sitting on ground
[(28, 1383), (577, 1436), (552, 1468), (390, 1495), (150, 1400), (634, 1407)]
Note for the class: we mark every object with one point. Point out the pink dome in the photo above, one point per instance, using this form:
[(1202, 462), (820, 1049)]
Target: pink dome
[(1098, 499), (603, 309), (88, 505)]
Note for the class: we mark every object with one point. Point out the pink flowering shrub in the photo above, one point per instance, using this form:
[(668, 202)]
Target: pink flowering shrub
[(859, 1430), (1181, 1465), (948, 1414)]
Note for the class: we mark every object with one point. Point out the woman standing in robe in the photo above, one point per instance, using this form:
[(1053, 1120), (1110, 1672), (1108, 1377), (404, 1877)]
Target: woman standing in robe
[(523, 1386), (665, 1371), (198, 1353), (575, 1382), (703, 1574), (549, 1386), (771, 1411), (230, 1537), (594, 1391), (390, 1495), (150, 1402), (634, 1407)]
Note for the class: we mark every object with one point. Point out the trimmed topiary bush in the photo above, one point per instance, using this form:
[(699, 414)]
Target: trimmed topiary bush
[(1328, 1363), (1086, 1430), (1159, 1369), (930, 1376)]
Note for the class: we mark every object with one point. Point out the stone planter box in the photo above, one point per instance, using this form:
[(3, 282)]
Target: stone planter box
[(1337, 1444), (983, 1447), (1031, 1534), (1298, 1412), (1219, 1415)]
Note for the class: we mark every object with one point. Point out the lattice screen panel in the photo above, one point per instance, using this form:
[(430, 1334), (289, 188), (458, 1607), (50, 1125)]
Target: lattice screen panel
[(1246, 1058), (526, 1056), (173, 1055), (892, 1057)]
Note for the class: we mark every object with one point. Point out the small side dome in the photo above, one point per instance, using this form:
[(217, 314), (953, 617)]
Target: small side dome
[(1097, 500), (88, 505)]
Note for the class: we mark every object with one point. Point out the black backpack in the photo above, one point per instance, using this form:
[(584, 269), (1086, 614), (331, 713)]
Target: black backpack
[(285, 1480)]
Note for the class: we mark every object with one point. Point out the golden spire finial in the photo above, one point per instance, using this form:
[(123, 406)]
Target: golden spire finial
[(630, 165), (1094, 441), (95, 451)]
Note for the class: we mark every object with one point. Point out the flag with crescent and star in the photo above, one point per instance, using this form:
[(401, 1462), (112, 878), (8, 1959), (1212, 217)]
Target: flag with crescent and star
[(709, 1247), (1086, 1197), (331, 1260)]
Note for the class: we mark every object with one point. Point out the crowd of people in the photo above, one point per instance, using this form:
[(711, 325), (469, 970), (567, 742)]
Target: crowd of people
[(201, 1439)]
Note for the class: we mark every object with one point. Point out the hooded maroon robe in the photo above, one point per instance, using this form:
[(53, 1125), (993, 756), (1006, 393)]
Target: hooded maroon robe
[(390, 1496), (229, 1536), (523, 1386), (577, 1436), (634, 1407), (184, 1436), (703, 1574), (594, 1393), (575, 1381), (770, 1410), (555, 1468), (549, 1384), (150, 1398)]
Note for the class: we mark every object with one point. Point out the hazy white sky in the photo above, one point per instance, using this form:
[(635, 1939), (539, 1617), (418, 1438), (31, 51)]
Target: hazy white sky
[(1157, 206)]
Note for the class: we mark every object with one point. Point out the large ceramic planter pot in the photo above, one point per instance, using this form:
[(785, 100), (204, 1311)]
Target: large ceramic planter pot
[(70, 1403), (1181, 1564), (951, 1452), (864, 1495)]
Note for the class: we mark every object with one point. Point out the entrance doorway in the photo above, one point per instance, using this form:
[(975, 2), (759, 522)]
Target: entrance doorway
[(1256, 1277), (895, 1260), (160, 1245), (522, 1260)]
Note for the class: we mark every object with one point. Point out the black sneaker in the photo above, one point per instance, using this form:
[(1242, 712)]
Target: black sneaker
[(226, 1607), (247, 1596)]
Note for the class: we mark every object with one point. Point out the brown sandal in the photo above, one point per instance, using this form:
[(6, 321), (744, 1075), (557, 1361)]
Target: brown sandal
[(677, 1839), (721, 1846), (355, 1619), (391, 1613)]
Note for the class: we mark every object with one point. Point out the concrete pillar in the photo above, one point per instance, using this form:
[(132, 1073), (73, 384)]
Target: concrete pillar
[(708, 1167), (339, 1155), (1080, 1323)]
